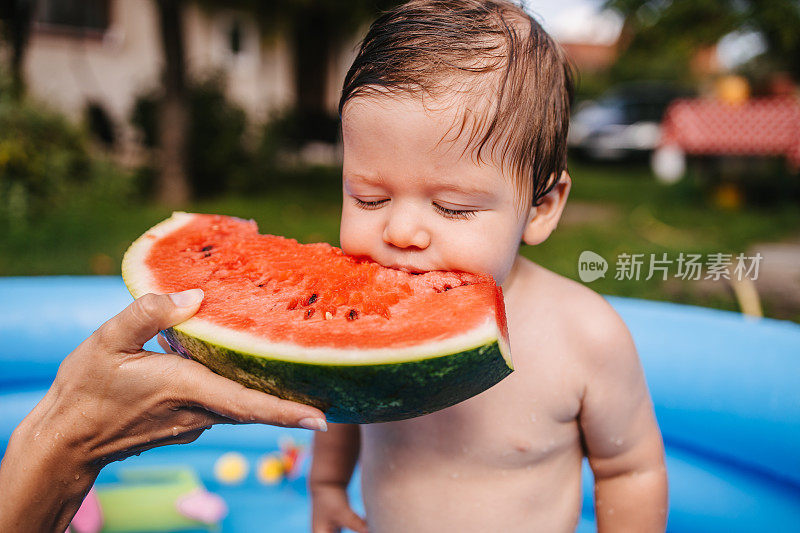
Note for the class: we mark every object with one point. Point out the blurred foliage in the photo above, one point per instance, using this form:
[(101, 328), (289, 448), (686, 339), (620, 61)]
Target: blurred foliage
[(662, 37), (225, 153), (590, 85), (45, 163), (294, 127), (217, 152)]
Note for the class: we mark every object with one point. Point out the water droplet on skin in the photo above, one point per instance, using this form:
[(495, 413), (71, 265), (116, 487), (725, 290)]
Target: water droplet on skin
[(618, 442), (533, 417), (175, 431), (610, 511), (77, 477)]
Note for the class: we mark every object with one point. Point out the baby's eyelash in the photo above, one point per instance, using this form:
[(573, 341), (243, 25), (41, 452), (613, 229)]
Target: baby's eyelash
[(461, 214), (454, 213), (370, 205)]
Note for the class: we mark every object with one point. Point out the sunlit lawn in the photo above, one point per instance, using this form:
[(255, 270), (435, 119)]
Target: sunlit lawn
[(613, 210)]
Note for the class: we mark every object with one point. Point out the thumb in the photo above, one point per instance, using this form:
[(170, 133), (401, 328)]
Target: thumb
[(141, 320)]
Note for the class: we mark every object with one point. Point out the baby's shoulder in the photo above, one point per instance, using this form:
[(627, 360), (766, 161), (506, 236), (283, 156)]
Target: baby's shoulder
[(576, 314)]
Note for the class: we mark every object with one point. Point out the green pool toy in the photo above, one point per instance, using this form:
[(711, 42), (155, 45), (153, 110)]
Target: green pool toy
[(150, 500)]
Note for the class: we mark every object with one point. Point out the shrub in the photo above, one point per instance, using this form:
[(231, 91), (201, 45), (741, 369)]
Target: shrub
[(43, 159), (217, 155)]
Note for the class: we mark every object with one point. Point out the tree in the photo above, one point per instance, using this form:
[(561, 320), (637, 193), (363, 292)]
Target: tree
[(660, 38), (17, 18), (173, 187)]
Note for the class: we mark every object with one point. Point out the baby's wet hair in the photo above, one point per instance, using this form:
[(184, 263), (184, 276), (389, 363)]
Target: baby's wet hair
[(481, 50)]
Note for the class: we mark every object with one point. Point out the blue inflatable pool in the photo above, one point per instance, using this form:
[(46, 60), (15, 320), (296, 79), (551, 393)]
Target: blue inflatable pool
[(726, 391)]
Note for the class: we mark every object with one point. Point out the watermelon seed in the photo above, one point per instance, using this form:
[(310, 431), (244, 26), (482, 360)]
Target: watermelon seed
[(309, 313), (207, 254), (206, 248), (311, 299), (352, 315)]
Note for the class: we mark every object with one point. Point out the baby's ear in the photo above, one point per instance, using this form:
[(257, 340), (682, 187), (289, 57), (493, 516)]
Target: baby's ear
[(544, 217)]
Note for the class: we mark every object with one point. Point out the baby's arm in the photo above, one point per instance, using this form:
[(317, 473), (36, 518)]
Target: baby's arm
[(333, 460), (622, 438)]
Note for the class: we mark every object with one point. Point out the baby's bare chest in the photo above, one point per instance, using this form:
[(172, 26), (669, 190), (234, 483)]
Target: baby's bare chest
[(526, 419)]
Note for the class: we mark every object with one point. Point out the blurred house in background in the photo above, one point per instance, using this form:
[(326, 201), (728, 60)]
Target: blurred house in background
[(591, 37), (99, 55)]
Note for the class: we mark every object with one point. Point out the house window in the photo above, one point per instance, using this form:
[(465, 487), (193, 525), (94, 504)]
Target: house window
[(73, 15)]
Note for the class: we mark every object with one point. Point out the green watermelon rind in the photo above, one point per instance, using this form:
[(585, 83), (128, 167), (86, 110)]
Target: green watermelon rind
[(357, 394), (349, 385)]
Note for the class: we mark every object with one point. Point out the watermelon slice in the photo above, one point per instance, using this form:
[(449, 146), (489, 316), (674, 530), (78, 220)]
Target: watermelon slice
[(306, 322)]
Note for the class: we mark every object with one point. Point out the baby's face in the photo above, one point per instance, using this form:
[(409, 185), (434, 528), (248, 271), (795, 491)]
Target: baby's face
[(414, 200)]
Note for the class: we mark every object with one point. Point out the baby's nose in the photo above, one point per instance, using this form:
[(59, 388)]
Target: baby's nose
[(404, 229)]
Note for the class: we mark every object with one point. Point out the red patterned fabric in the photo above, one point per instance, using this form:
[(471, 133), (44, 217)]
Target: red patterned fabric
[(762, 126)]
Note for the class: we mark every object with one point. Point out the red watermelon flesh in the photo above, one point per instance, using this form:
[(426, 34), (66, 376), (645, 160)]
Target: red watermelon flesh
[(264, 285)]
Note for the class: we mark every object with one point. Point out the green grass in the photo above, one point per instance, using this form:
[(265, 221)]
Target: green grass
[(640, 216)]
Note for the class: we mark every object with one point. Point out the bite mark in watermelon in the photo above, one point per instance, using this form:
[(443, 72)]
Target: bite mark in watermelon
[(306, 322)]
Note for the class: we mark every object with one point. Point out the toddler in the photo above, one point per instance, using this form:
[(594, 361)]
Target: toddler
[(454, 118)]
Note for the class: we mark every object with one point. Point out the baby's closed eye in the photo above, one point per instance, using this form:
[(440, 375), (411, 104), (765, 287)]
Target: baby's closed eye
[(370, 204), (454, 213), (447, 212)]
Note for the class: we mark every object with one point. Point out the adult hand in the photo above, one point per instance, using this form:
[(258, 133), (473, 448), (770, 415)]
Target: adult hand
[(112, 399)]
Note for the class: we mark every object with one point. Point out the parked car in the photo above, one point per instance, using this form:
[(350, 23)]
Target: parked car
[(624, 122)]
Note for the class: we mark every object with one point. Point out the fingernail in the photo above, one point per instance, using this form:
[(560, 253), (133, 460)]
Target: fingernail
[(187, 298), (317, 424)]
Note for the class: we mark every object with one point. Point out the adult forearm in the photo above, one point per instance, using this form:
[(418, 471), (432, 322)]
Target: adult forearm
[(44, 476), (634, 501), (335, 455)]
